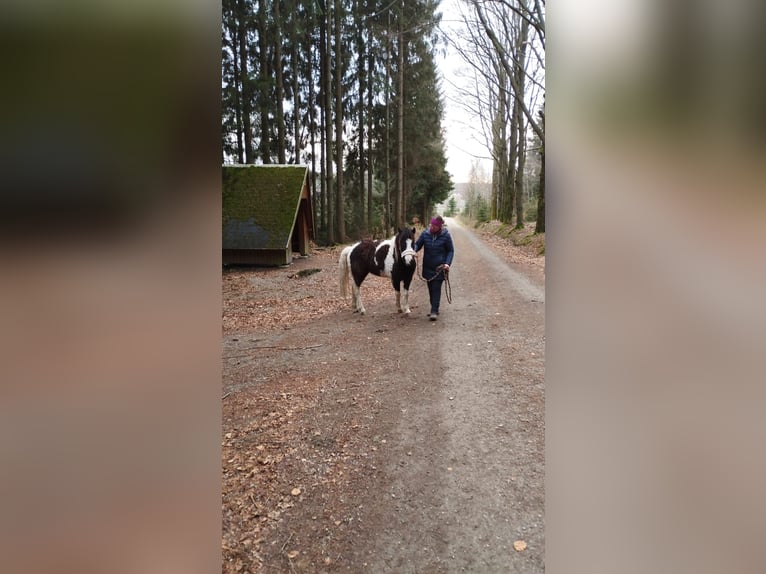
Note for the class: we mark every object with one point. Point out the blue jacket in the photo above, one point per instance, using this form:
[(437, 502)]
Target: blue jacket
[(437, 249)]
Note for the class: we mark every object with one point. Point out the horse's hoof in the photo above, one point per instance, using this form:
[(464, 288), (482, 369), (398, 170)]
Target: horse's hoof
[(407, 311), (399, 311)]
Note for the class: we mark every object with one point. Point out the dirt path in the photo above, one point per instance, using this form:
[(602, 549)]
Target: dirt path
[(386, 443)]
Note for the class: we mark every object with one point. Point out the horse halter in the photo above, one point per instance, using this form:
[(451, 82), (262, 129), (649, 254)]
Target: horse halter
[(408, 251), (403, 253)]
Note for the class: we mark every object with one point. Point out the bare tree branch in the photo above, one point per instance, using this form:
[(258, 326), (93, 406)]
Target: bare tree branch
[(506, 59)]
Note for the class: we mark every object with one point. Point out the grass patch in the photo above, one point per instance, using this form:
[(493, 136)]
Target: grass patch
[(522, 240), (524, 237)]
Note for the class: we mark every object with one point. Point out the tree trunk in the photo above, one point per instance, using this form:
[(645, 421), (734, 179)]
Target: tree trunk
[(387, 210), (280, 103), (238, 99), (520, 70), (519, 185), (294, 46), (369, 143), (312, 122), (323, 162), (265, 82), (245, 82), (540, 225), (339, 191), (327, 92), (400, 129), (513, 158), (322, 128), (359, 209), (499, 154)]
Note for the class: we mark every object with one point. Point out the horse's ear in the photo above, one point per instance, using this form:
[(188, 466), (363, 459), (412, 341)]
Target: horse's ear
[(414, 231)]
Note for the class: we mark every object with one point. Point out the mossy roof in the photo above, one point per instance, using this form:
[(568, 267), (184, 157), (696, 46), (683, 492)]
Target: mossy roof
[(260, 205)]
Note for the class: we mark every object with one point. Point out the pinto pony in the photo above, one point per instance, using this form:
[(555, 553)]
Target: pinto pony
[(394, 258)]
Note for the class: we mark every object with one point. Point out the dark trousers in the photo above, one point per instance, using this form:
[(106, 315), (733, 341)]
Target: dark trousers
[(435, 292)]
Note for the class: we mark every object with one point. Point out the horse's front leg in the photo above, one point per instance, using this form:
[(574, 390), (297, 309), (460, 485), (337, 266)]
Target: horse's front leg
[(356, 299), (406, 301), (405, 307)]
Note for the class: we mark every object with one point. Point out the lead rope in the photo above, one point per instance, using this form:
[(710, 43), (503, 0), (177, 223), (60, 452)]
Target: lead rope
[(447, 287)]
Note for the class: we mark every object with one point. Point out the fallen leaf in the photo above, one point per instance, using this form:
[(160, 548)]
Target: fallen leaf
[(295, 491), (293, 553), (519, 545)]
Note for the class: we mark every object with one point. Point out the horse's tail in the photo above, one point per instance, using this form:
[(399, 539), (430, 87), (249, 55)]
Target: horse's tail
[(344, 266)]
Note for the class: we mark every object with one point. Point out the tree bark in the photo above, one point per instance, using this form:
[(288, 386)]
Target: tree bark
[(265, 82), (513, 158), (312, 122), (245, 82), (294, 46), (387, 208), (540, 225), (339, 191), (359, 208), (328, 127), (519, 184), (499, 154), (400, 128), (520, 64), (369, 143), (238, 99), (280, 103)]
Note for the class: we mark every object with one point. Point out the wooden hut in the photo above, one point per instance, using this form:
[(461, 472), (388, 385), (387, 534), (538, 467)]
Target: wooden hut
[(267, 213)]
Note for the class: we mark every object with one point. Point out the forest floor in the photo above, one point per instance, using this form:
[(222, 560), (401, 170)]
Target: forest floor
[(386, 442)]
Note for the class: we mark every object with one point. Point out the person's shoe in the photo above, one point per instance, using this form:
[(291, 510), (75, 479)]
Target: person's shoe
[(433, 316)]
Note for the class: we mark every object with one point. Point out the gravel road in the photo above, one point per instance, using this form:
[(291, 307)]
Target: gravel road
[(422, 447)]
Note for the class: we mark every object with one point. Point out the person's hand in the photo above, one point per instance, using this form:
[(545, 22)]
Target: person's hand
[(446, 266)]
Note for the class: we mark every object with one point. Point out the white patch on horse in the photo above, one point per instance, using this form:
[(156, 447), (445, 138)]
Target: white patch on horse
[(388, 262)]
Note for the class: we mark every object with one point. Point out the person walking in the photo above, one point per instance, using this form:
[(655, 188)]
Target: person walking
[(438, 252)]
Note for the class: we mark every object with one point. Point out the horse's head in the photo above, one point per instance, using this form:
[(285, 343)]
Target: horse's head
[(405, 243)]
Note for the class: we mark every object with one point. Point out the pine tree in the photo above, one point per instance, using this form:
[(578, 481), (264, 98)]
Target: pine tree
[(329, 80)]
